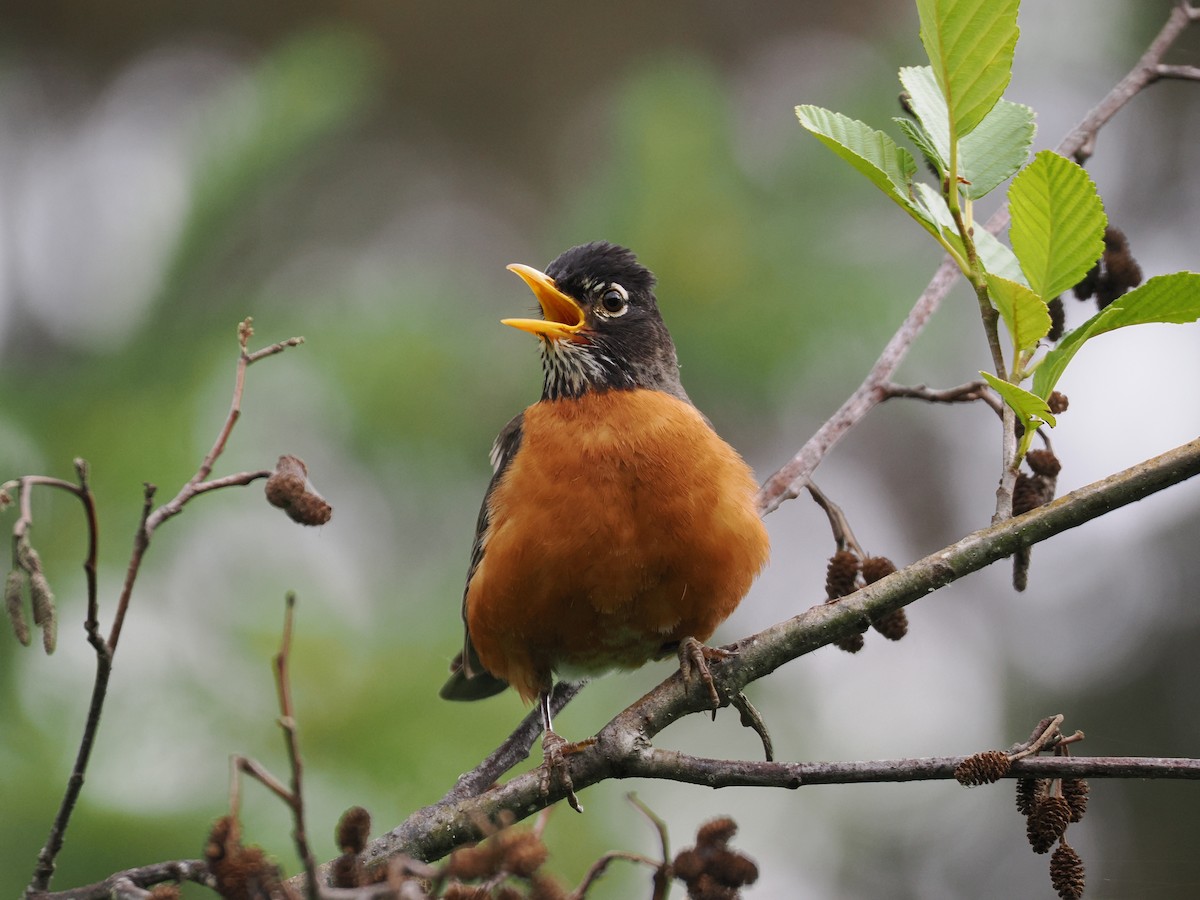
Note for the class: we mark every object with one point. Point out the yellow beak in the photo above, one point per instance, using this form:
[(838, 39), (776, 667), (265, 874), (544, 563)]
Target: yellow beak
[(563, 315)]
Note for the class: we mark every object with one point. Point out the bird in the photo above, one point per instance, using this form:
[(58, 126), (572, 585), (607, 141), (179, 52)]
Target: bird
[(618, 527)]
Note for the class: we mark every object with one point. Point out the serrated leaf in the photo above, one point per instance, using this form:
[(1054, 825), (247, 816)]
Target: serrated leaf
[(1023, 311), (1032, 411), (989, 154), (970, 47), (915, 133), (889, 167), (997, 258), (929, 106), (1058, 223), (933, 204), (1168, 299), (1029, 407), (996, 149), (932, 201)]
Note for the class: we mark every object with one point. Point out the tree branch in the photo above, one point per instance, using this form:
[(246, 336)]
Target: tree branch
[(106, 649), (623, 749), (194, 871), (718, 773)]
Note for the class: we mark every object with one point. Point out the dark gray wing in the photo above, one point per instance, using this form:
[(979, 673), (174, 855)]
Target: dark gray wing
[(469, 680)]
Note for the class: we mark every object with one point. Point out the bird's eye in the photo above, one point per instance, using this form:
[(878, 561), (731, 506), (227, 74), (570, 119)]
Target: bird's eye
[(615, 300)]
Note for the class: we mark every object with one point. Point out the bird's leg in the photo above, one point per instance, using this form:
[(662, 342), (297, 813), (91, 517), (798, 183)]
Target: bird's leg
[(693, 660), (554, 763)]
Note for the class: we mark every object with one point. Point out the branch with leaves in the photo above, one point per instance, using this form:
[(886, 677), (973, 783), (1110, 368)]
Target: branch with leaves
[(986, 155)]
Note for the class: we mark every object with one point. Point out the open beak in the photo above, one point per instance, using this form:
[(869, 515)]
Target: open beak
[(563, 316)]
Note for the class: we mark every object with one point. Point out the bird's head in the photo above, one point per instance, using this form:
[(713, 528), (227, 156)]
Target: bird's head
[(601, 329)]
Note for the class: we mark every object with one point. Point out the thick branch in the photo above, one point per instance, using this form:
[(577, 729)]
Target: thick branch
[(623, 747), (515, 747)]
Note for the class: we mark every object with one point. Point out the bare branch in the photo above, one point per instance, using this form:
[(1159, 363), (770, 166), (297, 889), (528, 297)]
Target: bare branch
[(716, 773), (1186, 73), (193, 486), (600, 866), (287, 721), (194, 871), (970, 392), (105, 649), (44, 868)]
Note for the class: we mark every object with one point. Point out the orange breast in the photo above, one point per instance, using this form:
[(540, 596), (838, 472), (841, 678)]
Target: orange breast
[(624, 523)]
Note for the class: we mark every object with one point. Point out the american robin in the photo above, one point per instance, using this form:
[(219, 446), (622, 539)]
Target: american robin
[(618, 527)]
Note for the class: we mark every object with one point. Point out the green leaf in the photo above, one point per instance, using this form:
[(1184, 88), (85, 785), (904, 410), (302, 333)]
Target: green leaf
[(917, 134), (933, 204), (1032, 411), (996, 257), (996, 149), (970, 47), (890, 167), (989, 154), (1023, 311), (929, 106), (1058, 223), (1170, 299)]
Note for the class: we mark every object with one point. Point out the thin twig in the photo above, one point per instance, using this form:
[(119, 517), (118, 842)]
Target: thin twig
[(141, 541), (292, 795), (662, 874), (970, 392), (150, 520), (843, 536), (1046, 733), (194, 871), (600, 866), (1187, 73), (193, 486), (287, 721), (44, 869), (752, 718), (964, 393), (247, 765)]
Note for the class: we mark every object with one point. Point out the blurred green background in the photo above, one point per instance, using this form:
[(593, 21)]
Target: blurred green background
[(360, 173)]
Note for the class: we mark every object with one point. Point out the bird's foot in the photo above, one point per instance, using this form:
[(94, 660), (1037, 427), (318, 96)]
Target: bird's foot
[(693, 660), (555, 749)]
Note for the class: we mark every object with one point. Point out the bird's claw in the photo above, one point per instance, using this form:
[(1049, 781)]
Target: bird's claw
[(555, 768), (693, 660)]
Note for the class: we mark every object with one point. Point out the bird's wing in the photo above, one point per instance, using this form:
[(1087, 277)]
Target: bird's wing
[(469, 680)]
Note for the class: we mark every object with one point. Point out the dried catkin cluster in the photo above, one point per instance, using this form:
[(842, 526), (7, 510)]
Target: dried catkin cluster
[(1049, 805), (508, 865), (711, 870), (845, 574)]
